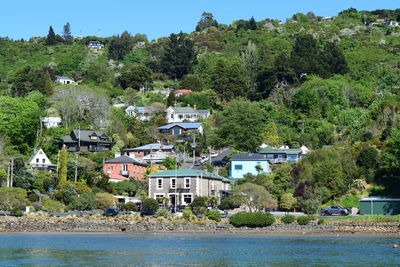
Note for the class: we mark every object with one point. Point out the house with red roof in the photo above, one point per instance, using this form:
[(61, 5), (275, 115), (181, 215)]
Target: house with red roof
[(124, 168)]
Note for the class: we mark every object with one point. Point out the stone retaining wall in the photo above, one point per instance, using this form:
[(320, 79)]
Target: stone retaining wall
[(76, 224)]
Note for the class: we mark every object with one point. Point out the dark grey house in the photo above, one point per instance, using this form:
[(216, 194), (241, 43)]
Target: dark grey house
[(86, 140)]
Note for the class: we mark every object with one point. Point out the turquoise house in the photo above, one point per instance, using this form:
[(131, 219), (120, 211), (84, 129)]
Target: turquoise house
[(242, 164)]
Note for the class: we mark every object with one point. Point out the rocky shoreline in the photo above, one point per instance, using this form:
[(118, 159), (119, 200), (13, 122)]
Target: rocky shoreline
[(161, 225)]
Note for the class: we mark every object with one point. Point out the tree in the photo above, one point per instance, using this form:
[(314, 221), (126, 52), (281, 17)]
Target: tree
[(309, 202), (192, 82), (207, 20), (333, 60), (169, 163), (51, 205), (241, 125), (68, 39), (135, 76), (198, 99), (271, 137), (105, 201), (51, 37), (19, 119), (12, 198), (150, 204), (249, 59), (171, 99), (86, 201), (252, 24), (179, 56), (229, 79), (120, 46), (125, 187), (306, 100), (288, 201), (305, 55), (254, 197), (63, 166), (30, 79)]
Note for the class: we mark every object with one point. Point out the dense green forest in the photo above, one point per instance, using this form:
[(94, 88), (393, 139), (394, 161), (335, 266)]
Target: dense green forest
[(329, 84)]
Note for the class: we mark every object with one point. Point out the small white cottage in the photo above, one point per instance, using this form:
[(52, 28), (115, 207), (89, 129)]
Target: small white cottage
[(40, 162)]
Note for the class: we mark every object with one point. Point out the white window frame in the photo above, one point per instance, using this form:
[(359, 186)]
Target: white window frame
[(172, 179), (125, 167), (183, 198), (190, 182), (158, 184), (158, 195)]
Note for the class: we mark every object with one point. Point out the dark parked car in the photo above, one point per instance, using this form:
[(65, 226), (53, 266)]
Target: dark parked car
[(147, 213), (111, 212), (335, 210)]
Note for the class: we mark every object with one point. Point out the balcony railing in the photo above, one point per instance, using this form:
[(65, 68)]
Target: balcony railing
[(124, 173)]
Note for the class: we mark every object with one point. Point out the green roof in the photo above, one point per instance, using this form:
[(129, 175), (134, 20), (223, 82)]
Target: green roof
[(187, 172), (269, 149)]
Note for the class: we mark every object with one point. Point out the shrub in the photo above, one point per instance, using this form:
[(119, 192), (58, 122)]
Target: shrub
[(52, 205), (312, 217), (227, 204), (252, 219), (105, 201), (86, 201), (214, 215), (150, 204), (199, 202), (188, 214), (17, 213), (321, 221), (130, 206), (163, 213), (303, 220), (288, 219)]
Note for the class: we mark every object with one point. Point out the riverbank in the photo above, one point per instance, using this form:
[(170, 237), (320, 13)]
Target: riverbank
[(135, 224)]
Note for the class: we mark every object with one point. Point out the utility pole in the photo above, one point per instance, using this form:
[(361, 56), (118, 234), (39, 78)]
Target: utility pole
[(76, 167), (8, 176), (11, 172)]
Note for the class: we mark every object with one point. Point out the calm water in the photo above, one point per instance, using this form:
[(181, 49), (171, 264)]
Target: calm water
[(194, 250)]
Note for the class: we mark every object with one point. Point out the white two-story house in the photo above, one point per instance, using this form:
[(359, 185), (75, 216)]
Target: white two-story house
[(181, 114)]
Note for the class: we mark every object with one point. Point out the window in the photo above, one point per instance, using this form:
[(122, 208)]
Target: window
[(43, 160), (173, 183), (158, 197), (187, 198), (176, 131), (159, 183), (110, 169), (187, 182), (37, 160), (172, 116), (238, 167), (93, 137), (125, 167)]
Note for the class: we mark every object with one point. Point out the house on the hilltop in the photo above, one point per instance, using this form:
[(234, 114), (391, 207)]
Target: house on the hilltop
[(95, 44), (181, 128), (86, 140), (242, 164), (281, 155), (151, 153), (327, 19), (64, 80), (180, 114), (123, 168), (51, 122), (182, 186), (40, 162)]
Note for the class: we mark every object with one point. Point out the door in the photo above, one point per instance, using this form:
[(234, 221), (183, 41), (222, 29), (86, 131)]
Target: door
[(172, 199)]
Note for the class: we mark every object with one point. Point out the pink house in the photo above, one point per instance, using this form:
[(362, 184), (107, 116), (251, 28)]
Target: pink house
[(124, 168)]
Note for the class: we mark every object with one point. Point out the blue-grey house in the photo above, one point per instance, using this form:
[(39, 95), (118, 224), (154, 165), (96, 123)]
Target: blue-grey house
[(242, 164), (181, 127), (281, 155)]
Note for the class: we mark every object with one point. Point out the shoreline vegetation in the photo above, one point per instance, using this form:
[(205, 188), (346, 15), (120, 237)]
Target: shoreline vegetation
[(134, 224)]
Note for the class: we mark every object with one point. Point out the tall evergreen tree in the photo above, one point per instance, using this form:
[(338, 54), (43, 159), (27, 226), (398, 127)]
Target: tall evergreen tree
[(63, 166), (305, 55), (120, 46), (51, 37), (252, 24), (271, 136), (179, 56)]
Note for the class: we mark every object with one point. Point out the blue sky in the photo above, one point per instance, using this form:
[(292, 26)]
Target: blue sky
[(156, 18)]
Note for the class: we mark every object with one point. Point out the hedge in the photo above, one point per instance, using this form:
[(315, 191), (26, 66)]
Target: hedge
[(252, 219), (288, 219), (303, 220)]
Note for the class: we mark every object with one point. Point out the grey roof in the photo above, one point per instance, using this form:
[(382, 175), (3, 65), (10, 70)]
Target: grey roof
[(190, 110), (248, 156), (188, 172), (64, 78), (124, 159), (381, 198), (84, 135), (154, 146), (183, 125)]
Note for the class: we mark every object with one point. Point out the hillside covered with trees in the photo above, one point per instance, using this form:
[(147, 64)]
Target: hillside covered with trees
[(331, 84)]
